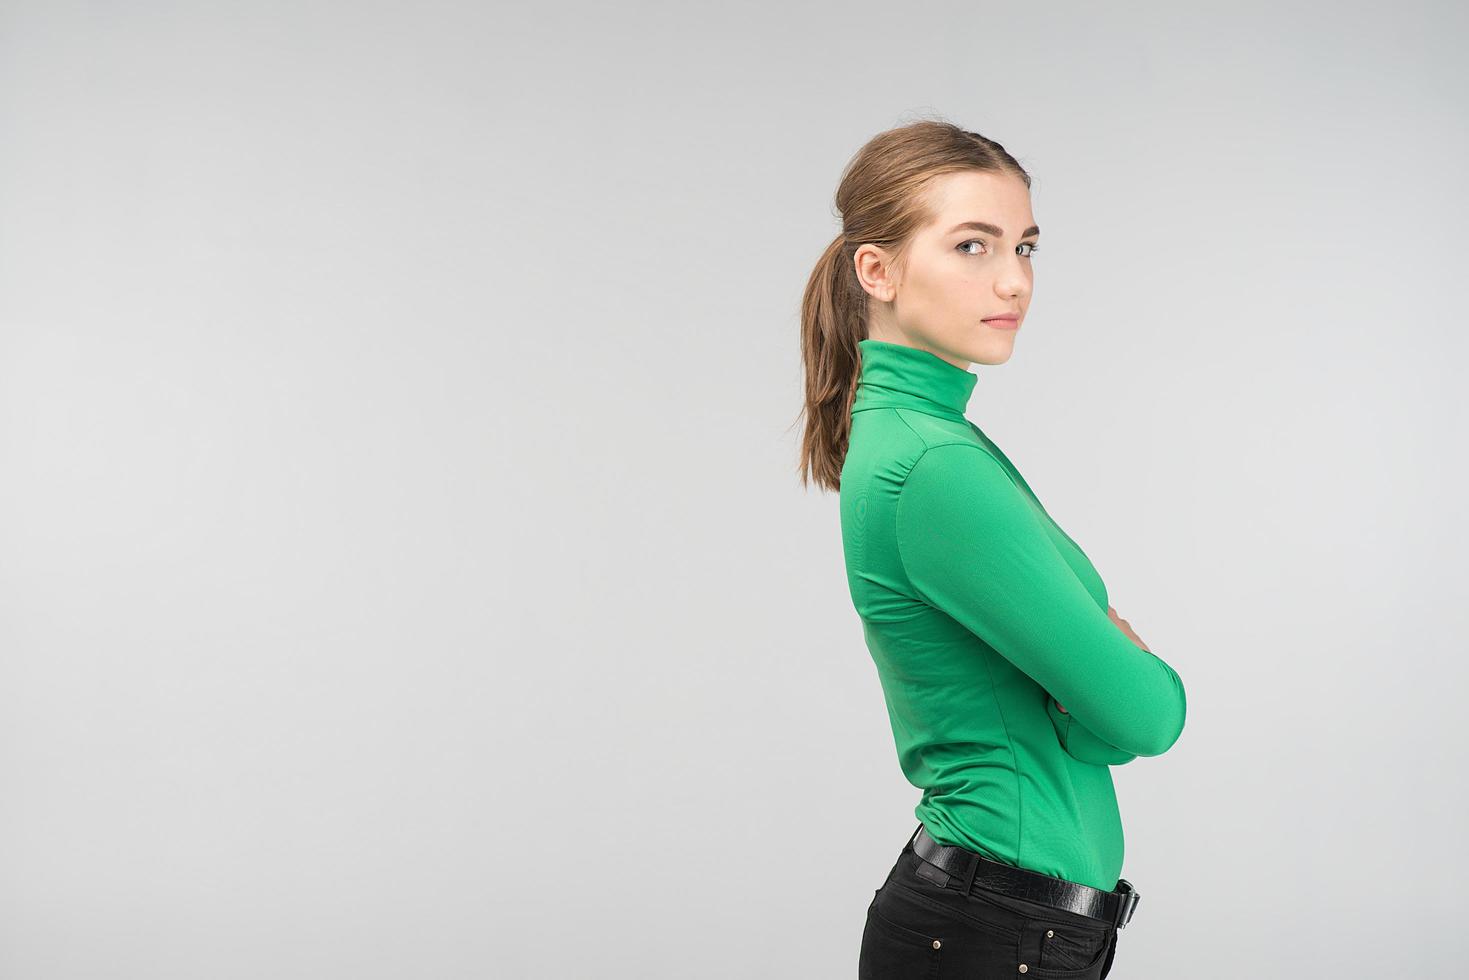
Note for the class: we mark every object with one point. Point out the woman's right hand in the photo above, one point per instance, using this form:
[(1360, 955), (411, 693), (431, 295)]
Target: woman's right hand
[(1125, 627)]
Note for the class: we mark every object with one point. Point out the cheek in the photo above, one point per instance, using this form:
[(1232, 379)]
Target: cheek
[(949, 299), (951, 290), (934, 295), (964, 297)]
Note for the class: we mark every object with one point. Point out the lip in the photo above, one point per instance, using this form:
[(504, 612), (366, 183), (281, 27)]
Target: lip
[(1008, 321)]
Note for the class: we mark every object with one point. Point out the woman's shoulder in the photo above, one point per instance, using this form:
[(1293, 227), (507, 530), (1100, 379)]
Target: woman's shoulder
[(905, 431), (892, 444)]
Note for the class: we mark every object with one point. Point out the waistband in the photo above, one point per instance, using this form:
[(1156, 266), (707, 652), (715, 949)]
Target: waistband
[(980, 873)]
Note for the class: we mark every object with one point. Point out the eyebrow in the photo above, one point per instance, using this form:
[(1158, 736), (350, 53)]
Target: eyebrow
[(990, 229)]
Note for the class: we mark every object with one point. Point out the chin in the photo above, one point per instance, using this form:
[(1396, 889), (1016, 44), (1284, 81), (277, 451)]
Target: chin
[(991, 356)]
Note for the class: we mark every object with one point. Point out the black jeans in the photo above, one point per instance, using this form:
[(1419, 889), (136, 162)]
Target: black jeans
[(918, 928)]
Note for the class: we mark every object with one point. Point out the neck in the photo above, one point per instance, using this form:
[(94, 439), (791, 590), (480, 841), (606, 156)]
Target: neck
[(899, 376)]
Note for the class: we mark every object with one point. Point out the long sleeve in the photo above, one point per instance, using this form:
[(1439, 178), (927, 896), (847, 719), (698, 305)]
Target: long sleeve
[(1080, 742), (973, 546)]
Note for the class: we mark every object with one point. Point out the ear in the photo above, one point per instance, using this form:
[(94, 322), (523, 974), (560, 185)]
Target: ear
[(873, 265)]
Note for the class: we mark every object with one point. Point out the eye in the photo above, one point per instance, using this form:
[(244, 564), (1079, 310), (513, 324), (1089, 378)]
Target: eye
[(1030, 247)]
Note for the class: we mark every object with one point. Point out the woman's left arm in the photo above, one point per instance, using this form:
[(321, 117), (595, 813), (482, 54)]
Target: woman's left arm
[(1080, 742), (974, 546)]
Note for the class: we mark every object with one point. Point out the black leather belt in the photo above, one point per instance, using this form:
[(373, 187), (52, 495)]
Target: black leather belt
[(1114, 907)]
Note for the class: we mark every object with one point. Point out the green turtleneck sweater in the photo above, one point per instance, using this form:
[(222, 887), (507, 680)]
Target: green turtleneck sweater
[(981, 614)]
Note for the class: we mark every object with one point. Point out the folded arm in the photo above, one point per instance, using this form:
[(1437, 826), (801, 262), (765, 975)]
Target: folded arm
[(1080, 742), (974, 547)]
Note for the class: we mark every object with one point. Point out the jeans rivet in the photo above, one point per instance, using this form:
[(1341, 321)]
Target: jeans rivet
[(936, 944), (1050, 933), (1023, 968)]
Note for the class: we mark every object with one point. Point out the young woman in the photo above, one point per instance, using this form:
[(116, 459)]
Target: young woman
[(1010, 683)]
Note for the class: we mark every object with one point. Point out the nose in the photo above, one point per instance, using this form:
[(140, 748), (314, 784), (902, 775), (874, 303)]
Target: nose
[(1014, 281)]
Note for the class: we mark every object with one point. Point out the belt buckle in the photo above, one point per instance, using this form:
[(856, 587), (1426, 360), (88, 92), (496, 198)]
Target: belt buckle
[(1129, 903)]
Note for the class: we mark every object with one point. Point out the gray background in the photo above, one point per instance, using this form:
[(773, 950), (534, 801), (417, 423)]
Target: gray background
[(403, 570)]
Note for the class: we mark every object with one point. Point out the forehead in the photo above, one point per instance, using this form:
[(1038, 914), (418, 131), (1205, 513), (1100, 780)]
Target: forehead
[(1000, 199)]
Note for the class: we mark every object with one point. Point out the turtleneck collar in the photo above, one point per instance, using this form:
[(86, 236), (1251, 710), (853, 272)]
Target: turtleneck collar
[(898, 376)]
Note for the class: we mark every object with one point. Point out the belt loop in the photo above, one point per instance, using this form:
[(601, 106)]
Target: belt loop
[(970, 873)]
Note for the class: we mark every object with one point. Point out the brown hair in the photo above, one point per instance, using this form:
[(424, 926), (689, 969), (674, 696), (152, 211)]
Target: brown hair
[(879, 200)]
